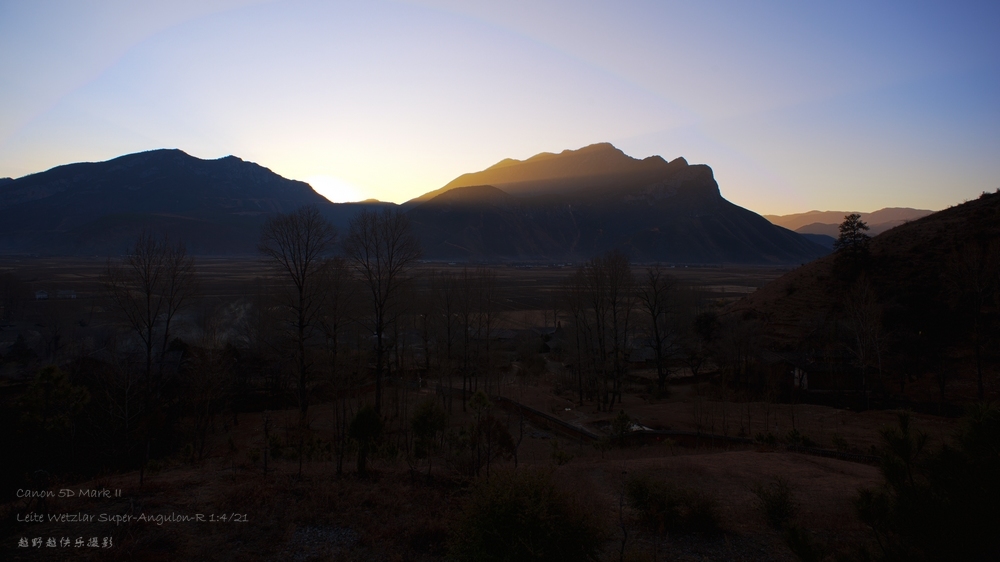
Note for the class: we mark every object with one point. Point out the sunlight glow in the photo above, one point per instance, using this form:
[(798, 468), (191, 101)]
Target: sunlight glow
[(335, 189)]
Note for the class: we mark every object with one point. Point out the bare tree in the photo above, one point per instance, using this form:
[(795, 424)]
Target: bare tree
[(296, 245), (444, 291), (381, 247), (466, 313), (339, 307), (601, 298), (149, 287), (611, 289), (488, 309), (655, 297), (575, 302)]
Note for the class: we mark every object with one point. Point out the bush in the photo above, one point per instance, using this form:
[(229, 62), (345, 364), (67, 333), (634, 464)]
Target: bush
[(840, 443), (663, 507), (768, 439), (775, 502), (559, 455), (795, 438), (428, 422), (939, 505), (366, 429), (621, 426), (801, 542), (522, 516)]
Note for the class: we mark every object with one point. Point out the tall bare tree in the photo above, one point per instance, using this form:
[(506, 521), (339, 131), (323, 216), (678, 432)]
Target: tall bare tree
[(381, 248), (296, 245), (488, 309), (656, 296), (609, 291), (444, 296), (149, 287), (337, 320), (575, 302)]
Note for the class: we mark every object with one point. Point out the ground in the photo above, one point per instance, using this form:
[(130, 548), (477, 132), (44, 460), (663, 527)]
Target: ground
[(399, 515)]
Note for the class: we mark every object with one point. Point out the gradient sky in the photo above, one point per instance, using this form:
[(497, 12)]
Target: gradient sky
[(796, 105)]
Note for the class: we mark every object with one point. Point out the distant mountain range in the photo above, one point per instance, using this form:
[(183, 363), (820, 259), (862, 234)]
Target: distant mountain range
[(827, 223), (551, 207)]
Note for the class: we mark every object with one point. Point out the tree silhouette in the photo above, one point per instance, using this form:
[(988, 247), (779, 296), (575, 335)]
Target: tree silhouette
[(381, 247), (295, 245), (655, 298), (148, 287), (853, 242)]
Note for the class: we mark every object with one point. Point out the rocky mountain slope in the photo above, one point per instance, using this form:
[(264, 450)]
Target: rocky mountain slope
[(563, 207)]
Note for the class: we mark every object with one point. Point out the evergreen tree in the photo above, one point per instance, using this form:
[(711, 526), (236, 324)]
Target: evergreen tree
[(853, 242)]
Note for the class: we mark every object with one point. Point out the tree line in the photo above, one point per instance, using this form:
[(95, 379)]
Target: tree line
[(349, 320)]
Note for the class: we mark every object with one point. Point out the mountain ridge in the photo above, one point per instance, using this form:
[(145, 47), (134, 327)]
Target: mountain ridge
[(227, 198), (827, 223), (678, 215), (565, 206), (595, 166)]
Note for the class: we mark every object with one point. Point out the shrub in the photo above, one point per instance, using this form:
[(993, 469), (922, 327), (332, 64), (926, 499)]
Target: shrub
[(664, 507), (939, 505), (840, 443), (768, 439), (621, 426), (522, 516), (775, 502), (275, 446), (795, 438), (428, 422), (801, 542), (366, 429), (559, 455)]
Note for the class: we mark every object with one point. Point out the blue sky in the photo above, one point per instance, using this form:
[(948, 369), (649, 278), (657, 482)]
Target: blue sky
[(796, 105)]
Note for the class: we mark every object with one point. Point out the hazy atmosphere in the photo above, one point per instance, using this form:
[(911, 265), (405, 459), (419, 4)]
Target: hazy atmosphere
[(846, 105)]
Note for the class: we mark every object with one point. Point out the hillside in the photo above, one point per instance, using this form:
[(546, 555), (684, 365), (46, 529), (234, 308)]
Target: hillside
[(917, 272)]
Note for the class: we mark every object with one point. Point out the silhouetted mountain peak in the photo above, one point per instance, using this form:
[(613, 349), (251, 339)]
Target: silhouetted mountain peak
[(93, 207), (596, 168), (579, 203)]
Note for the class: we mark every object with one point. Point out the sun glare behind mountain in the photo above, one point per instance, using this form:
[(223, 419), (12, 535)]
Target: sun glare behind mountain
[(335, 189)]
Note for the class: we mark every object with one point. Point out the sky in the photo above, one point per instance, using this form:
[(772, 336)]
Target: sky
[(795, 105)]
